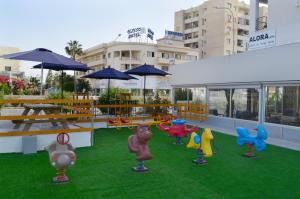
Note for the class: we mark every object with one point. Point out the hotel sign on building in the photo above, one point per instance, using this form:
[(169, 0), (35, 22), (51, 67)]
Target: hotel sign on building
[(174, 35), (138, 32), (262, 39)]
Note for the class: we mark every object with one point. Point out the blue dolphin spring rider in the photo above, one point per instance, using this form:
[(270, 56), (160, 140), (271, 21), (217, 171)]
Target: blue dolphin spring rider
[(257, 142)]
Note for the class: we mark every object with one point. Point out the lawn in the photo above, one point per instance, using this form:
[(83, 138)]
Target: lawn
[(103, 171)]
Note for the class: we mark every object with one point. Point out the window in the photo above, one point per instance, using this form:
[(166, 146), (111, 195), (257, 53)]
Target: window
[(228, 29), (240, 43), (108, 55), (125, 67), (7, 68), (182, 95), (229, 18), (283, 105), (177, 56), (117, 54), (165, 68), (235, 103), (228, 41), (203, 21), (245, 103), (203, 32), (150, 54), (165, 55), (229, 5), (103, 56), (219, 102)]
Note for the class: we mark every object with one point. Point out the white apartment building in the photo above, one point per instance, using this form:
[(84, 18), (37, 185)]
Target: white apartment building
[(126, 55), (261, 85), (216, 27), (10, 67)]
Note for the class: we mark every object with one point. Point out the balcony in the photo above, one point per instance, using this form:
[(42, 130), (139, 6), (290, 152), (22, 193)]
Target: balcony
[(97, 62), (261, 23), (127, 60)]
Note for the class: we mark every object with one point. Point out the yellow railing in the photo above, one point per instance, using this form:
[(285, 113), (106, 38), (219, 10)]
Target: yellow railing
[(194, 112), (78, 111), (52, 111)]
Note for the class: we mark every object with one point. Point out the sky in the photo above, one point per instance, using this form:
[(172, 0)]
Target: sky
[(30, 24)]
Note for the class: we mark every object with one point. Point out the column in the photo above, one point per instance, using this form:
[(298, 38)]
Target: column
[(254, 14), (262, 104)]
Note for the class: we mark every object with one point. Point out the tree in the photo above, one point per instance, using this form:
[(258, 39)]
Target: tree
[(83, 86), (74, 48)]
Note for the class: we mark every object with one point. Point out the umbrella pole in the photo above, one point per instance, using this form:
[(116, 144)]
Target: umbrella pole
[(62, 84), (144, 89), (108, 97), (41, 88)]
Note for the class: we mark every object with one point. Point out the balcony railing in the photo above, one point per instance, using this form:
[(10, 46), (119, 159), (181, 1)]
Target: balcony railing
[(262, 23)]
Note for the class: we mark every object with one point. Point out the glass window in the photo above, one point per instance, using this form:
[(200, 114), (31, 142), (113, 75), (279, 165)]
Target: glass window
[(117, 54), (282, 105), (182, 95), (150, 54), (245, 103), (198, 95), (219, 102), (7, 68)]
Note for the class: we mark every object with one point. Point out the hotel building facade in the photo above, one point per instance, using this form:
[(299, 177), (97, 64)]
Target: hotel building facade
[(10, 67), (127, 55)]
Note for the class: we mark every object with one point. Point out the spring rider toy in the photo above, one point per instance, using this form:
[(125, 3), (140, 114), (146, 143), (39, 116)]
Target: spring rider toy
[(257, 142), (202, 145), (62, 155), (138, 144), (178, 130)]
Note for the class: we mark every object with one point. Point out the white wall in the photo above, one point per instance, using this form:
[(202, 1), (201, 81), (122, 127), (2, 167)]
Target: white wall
[(282, 13), (279, 63)]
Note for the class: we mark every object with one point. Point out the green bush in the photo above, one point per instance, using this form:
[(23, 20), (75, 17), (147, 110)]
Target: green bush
[(57, 95), (103, 98)]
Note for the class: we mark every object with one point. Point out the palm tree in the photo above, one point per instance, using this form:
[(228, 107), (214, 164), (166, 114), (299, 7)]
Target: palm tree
[(74, 48)]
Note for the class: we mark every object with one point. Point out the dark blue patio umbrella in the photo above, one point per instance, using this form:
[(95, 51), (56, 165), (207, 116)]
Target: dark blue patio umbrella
[(109, 73), (146, 70), (58, 67), (46, 57)]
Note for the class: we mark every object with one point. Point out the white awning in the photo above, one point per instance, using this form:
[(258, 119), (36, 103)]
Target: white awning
[(271, 65)]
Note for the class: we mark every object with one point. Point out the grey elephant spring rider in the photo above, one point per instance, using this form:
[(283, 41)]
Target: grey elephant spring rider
[(62, 155)]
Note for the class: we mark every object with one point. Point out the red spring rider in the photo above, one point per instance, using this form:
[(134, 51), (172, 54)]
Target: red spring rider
[(178, 130), (62, 155)]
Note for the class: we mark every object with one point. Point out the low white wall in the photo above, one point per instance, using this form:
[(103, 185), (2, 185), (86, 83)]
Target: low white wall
[(14, 144), (283, 132)]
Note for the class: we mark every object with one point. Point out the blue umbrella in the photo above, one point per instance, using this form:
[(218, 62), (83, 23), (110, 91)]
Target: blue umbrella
[(47, 58), (57, 67), (146, 70), (109, 73)]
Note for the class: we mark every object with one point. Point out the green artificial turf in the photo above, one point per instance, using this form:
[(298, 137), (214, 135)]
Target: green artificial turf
[(103, 171)]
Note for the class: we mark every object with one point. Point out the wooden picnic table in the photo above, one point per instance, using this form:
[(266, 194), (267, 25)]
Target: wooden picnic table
[(37, 109)]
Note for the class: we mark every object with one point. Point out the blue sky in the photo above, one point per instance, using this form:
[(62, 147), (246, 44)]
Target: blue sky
[(29, 24)]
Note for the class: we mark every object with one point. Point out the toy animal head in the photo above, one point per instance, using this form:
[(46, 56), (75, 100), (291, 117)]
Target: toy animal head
[(261, 132), (207, 135), (143, 133)]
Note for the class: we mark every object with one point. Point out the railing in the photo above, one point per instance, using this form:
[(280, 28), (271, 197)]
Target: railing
[(24, 114), (193, 112), (262, 23)]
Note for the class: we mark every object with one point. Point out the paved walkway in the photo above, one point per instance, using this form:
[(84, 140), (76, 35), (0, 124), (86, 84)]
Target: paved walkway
[(272, 141)]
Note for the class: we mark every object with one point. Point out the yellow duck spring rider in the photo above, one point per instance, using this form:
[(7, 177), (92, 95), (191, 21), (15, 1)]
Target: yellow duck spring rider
[(202, 145)]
